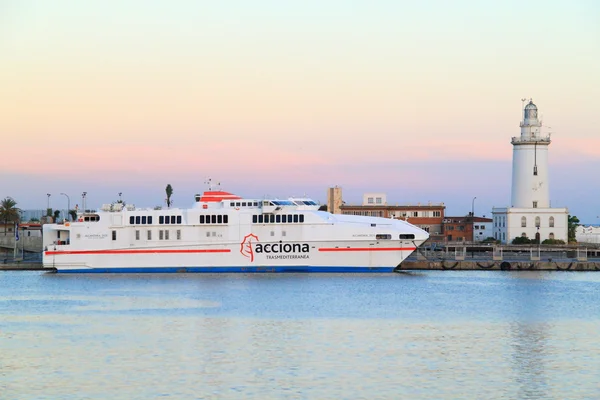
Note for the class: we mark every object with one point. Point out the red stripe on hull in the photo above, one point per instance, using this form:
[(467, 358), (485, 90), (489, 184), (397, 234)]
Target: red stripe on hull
[(367, 249), (173, 251)]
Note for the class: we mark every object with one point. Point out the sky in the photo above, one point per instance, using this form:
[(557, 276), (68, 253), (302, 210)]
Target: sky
[(415, 99)]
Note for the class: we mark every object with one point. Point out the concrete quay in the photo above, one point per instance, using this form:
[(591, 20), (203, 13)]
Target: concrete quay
[(25, 266), (490, 265)]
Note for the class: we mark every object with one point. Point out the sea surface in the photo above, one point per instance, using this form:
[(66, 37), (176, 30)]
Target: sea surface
[(419, 335)]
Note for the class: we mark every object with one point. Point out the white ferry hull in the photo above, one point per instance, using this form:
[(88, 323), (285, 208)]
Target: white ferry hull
[(349, 257)]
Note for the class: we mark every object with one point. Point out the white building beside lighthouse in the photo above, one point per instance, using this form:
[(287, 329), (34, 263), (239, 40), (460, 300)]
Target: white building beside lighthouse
[(530, 214)]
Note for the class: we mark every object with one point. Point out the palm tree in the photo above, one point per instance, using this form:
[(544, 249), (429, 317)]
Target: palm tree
[(73, 214), (8, 211), (56, 215), (169, 191)]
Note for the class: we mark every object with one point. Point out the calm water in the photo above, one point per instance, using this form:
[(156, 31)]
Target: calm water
[(446, 334)]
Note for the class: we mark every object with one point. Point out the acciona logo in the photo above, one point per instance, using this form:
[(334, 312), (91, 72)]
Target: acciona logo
[(251, 245)]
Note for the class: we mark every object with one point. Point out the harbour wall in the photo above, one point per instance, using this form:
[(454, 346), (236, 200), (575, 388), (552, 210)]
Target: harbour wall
[(29, 243)]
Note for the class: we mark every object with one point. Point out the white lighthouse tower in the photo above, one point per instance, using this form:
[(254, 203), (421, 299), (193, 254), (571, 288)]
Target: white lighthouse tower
[(530, 214), (530, 187)]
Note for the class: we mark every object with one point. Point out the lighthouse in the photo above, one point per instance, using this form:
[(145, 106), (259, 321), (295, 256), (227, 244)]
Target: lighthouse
[(530, 215), (530, 187)]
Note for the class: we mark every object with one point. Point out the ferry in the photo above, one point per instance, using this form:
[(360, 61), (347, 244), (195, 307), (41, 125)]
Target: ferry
[(226, 233)]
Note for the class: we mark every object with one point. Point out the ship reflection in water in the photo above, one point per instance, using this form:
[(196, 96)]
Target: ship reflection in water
[(427, 335)]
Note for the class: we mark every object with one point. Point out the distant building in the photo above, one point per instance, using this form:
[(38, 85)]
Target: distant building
[(467, 229), (587, 234), (483, 228), (426, 216), (334, 200), (374, 199), (530, 214)]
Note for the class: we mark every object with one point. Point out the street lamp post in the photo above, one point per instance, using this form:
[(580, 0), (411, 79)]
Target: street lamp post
[(473, 226), (48, 204), (83, 200), (68, 206)]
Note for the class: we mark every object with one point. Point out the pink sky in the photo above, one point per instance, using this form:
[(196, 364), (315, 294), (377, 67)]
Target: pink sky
[(418, 100)]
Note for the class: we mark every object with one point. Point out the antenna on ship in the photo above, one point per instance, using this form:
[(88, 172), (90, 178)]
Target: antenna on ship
[(210, 184)]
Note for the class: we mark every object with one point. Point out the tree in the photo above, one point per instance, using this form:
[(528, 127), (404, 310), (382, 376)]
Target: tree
[(169, 190), (573, 223), (73, 215), (8, 211), (521, 240), (56, 215)]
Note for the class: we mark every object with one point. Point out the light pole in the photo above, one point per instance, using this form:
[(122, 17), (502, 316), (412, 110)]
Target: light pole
[(48, 204), (120, 193), (83, 200), (68, 206)]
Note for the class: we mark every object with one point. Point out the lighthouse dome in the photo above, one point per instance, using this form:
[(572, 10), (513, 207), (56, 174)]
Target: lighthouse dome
[(531, 111)]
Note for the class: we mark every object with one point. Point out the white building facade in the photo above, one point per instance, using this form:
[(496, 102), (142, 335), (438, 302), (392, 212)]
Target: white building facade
[(374, 199), (530, 214), (483, 228), (587, 234)]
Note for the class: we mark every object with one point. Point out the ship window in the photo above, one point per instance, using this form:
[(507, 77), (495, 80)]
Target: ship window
[(243, 204), (167, 234), (213, 219), (160, 234), (260, 219), (237, 203), (179, 219), (178, 234), (296, 218), (256, 204), (284, 218), (114, 235), (202, 219), (407, 236), (161, 220), (278, 218), (272, 219), (225, 219), (131, 220), (138, 220), (219, 219), (254, 219), (301, 218), (167, 219), (383, 236), (144, 219), (149, 235), (150, 219), (137, 235), (232, 204)]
